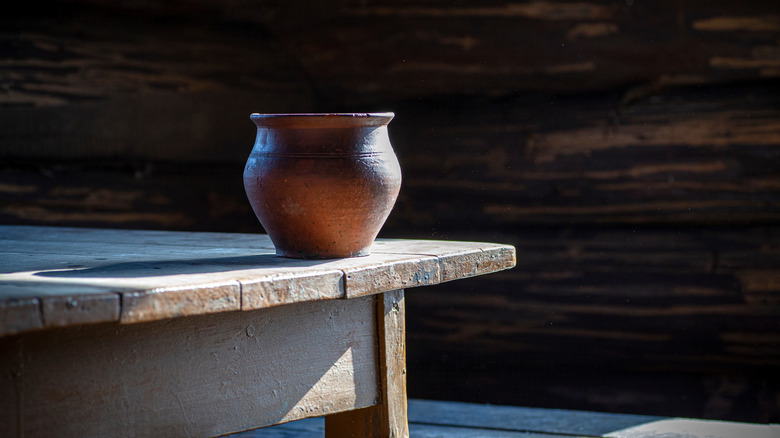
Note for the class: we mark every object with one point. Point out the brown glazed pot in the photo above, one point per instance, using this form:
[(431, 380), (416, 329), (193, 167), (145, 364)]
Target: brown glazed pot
[(322, 185)]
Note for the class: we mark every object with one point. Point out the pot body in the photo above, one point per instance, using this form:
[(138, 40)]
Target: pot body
[(322, 185)]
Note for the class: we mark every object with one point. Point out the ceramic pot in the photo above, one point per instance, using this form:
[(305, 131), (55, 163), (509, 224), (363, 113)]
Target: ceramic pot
[(322, 185)]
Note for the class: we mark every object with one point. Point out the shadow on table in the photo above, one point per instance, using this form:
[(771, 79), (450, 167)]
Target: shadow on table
[(153, 268)]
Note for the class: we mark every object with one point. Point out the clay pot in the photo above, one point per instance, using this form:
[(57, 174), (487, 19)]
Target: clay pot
[(322, 185)]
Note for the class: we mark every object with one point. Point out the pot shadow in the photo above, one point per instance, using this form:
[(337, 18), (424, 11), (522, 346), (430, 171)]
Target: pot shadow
[(156, 268)]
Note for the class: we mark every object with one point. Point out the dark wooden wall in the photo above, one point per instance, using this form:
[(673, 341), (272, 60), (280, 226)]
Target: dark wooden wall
[(629, 149)]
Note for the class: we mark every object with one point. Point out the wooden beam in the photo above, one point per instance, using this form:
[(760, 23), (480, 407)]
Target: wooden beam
[(388, 419), (197, 376)]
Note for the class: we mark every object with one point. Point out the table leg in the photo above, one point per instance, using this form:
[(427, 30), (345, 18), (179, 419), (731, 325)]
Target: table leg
[(387, 419)]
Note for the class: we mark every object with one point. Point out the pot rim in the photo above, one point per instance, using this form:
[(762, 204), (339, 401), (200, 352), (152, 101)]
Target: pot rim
[(335, 120)]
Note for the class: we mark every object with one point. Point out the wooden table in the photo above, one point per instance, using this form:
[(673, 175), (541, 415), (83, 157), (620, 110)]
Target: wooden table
[(150, 333)]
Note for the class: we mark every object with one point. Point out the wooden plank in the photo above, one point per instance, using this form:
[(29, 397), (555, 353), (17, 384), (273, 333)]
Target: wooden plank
[(431, 431), (162, 303), (689, 428), (440, 419), (672, 155), (169, 274), (204, 104), (631, 298), (481, 259), (676, 156), (536, 420), (388, 419), (81, 309), (59, 304), (120, 194), (257, 293), (569, 47), (388, 273), (391, 320), (198, 376), (20, 315), (314, 428)]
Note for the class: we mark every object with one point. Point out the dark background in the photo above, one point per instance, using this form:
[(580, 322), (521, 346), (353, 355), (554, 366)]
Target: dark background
[(629, 149)]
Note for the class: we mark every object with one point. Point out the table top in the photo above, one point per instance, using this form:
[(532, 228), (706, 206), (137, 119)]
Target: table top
[(58, 276)]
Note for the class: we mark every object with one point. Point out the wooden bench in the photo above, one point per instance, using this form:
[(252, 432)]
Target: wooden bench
[(439, 419), (150, 333)]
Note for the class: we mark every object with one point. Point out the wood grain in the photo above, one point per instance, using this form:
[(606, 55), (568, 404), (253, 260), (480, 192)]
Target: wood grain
[(663, 153), (592, 296), (199, 376), (388, 419), (163, 303), (440, 419), (604, 318), (82, 276), (117, 70), (76, 310), (651, 155), (481, 259), (20, 315), (501, 47), (697, 156), (391, 320), (549, 421)]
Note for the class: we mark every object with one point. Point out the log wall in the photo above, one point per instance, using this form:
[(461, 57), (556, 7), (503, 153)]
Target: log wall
[(630, 150)]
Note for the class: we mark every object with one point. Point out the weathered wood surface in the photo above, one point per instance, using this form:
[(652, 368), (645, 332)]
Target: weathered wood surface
[(122, 194), (183, 91), (439, 419), (63, 276), (678, 320), (704, 155), (346, 52), (501, 47), (388, 418), (200, 376), (696, 155)]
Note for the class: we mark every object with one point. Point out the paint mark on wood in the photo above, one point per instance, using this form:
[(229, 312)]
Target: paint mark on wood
[(511, 213), (591, 30), (16, 189), (579, 67), (715, 130), (760, 286), (767, 23), (742, 63), (466, 42)]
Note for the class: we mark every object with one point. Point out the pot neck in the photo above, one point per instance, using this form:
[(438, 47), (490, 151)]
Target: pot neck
[(322, 120)]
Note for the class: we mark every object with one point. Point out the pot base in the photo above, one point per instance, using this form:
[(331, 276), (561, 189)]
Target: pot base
[(319, 255)]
